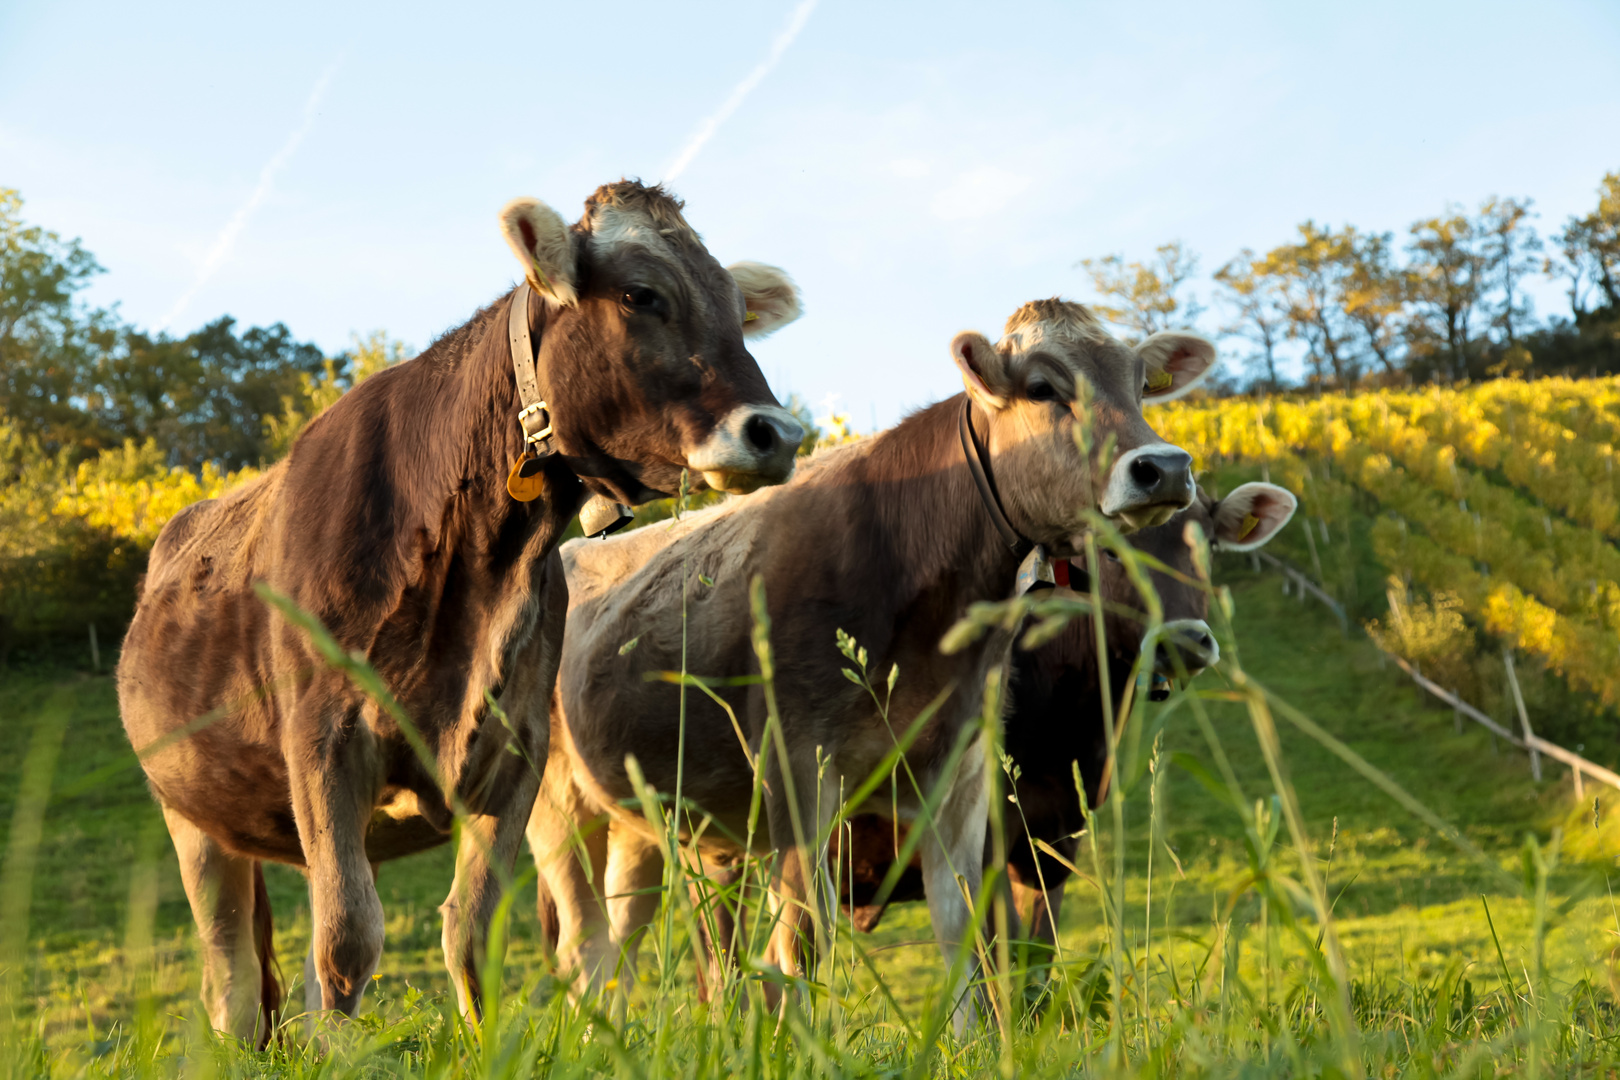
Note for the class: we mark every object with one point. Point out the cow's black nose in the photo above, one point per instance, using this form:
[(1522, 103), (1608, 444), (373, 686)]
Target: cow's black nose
[(1163, 475), (761, 434), (1146, 473)]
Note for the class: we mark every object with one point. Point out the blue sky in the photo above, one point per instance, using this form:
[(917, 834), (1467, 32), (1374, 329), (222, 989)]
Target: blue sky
[(920, 168)]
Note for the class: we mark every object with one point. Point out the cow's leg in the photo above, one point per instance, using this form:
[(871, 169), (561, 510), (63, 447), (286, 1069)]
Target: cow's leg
[(484, 860), (801, 882), (720, 927), (952, 861), (219, 886), (312, 978), (570, 852), (1038, 909), (334, 779), (635, 871)]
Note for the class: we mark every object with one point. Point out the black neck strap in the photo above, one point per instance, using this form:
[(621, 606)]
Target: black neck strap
[(979, 466)]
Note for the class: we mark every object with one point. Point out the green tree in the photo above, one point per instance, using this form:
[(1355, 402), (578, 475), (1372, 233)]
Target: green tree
[(1145, 298), (46, 335), (79, 379), (206, 396), (1310, 275), (1260, 310), (1509, 246), (1448, 272), (1373, 292), (1591, 250)]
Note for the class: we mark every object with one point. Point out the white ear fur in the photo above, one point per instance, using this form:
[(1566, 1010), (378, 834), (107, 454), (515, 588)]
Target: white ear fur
[(984, 370), (543, 244), (772, 300), (1185, 357), (1251, 515)]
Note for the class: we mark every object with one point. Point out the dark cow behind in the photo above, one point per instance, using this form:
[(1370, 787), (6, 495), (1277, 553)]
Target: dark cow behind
[(1055, 715), (392, 523)]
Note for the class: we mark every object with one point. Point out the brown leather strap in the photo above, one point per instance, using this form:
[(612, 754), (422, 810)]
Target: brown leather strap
[(535, 416)]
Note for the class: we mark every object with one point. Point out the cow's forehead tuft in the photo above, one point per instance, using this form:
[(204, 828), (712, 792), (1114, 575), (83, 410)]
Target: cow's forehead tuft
[(653, 208), (1057, 319), (1069, 329)]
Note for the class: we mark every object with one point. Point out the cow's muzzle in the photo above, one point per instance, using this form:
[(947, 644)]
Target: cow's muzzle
[(1149, 485), (751, 447), (1189, 641)]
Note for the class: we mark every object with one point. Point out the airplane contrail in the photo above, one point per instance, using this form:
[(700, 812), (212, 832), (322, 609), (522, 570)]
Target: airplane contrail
[(706, 130), (267, 177)]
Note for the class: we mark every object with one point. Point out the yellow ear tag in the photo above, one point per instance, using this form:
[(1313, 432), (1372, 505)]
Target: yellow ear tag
[(1160, 380), (527, 480), (1250, 523), (752, 316)]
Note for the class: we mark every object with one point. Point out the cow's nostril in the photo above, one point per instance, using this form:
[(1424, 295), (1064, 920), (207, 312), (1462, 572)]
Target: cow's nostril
[(761, 433), (1146, 473)]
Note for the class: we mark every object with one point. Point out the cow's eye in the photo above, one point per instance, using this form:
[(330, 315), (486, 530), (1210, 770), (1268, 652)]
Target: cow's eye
[(639, 298), (1041, 390), (1110, 555)]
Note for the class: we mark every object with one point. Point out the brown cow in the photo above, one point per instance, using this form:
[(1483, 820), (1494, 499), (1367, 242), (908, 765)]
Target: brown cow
[(392, 522), (887, 539), (1055, 718)]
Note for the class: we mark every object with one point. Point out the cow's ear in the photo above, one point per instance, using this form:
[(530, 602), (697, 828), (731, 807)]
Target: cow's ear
[(770, 299), (544, 245), (1176, 362), (985, 371), (1251, 515)]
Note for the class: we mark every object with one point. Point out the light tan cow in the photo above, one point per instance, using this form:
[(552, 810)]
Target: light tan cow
[(889, 540)]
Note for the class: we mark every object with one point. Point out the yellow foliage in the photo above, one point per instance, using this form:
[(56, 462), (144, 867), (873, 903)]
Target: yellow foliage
[(136, 508), (836, 430), (1531, 560), (1432, 635)]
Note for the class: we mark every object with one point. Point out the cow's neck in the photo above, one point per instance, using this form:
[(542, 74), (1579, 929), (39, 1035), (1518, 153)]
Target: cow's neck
[(484, 439), (947, 546)]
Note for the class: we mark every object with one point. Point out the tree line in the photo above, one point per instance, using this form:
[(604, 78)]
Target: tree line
[(1446, 302), (107, 429), (78, 379)]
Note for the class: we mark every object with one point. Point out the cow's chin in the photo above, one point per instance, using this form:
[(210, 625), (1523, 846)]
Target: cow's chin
[(1146, 517), (734, 483)]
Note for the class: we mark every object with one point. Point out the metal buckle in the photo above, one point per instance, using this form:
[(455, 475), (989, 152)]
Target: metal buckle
[(544, 433)]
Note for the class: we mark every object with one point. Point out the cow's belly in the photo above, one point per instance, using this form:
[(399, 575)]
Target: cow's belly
[(197, 703), (398, 830)]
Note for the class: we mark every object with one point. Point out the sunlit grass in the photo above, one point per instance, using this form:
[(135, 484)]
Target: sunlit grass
[(1221, 988)]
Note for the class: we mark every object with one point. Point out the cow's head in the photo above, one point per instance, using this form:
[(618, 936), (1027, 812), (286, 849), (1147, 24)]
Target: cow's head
[(642, 345), (1055, 368), (1243, 521)]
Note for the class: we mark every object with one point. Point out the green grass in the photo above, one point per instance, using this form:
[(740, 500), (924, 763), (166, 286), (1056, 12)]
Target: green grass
[(1427, 984)]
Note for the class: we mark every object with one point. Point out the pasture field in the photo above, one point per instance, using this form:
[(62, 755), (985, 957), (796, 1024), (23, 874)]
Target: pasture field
[(1450, 524), (1452, 963)]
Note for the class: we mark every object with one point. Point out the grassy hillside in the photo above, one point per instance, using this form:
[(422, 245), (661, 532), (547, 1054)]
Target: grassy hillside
[(1410, 904)]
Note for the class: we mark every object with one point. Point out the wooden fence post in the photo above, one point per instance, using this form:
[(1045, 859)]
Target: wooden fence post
[(1580, 788), (95, 649), (1524, 717)]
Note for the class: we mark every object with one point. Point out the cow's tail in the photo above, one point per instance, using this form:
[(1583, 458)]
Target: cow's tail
[(264, 940)]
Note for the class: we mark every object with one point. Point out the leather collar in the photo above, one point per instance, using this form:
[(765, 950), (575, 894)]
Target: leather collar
[(979, 465)]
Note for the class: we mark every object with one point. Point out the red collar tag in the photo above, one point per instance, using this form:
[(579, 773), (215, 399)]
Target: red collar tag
[(1060, 573)]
